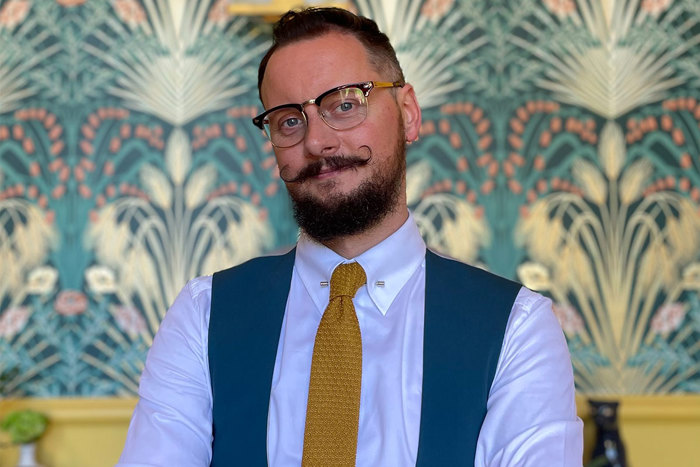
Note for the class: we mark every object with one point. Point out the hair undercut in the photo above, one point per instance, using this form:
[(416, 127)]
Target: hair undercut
[(311, 23)]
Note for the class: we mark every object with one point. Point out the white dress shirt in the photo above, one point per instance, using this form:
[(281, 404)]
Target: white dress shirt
[(531, 414)]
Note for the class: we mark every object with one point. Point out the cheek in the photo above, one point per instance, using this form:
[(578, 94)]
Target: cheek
[(384, 127), (287, 158), (382, 138)]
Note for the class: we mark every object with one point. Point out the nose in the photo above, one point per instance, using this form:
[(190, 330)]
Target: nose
[(320, 140)]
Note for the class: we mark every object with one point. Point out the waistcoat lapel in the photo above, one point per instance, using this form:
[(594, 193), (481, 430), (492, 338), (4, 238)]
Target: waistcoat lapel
[(247, 309), (466, 312)]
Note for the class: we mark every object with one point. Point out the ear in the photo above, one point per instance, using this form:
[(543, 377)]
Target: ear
[(410, 111)]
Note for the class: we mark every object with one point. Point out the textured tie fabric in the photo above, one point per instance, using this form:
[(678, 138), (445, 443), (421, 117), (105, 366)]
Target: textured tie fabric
[(333, 408)]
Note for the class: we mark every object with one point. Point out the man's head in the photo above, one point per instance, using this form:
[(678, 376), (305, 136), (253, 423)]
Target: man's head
[(339, 115), (311, 23)]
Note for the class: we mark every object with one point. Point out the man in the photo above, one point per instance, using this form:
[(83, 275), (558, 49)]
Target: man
[(444, 364)]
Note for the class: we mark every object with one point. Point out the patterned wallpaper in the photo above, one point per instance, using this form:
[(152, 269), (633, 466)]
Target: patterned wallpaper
[(560, 147)]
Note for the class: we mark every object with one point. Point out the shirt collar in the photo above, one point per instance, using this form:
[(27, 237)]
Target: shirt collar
[(388, 265)]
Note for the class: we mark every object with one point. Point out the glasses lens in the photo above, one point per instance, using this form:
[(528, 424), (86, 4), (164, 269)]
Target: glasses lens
[(344, 109), (285, 127)]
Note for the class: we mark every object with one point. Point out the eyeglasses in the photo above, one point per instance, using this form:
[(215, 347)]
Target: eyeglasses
[(341, 108)]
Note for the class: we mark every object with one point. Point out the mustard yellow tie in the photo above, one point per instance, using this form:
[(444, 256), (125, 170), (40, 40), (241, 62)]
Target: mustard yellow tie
[(333, 409)]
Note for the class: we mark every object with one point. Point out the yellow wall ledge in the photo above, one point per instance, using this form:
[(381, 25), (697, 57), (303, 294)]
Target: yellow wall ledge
[(81, 432), (657, 430)]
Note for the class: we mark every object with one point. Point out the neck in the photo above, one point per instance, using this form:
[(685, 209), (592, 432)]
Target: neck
[(352, 246)]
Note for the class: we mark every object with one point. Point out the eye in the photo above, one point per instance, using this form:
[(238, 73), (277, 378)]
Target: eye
[(290, 122), (341, 106), (286, 121)]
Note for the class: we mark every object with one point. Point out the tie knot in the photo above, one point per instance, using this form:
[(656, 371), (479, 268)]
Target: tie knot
[(346, 279)]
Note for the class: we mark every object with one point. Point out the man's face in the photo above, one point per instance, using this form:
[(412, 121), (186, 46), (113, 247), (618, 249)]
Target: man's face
[(332, 202)]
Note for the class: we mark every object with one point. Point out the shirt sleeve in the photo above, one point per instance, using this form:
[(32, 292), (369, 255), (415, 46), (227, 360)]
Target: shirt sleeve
[(531, 411), (171, 424)]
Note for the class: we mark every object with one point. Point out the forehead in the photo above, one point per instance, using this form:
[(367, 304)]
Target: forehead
[(304, 69)]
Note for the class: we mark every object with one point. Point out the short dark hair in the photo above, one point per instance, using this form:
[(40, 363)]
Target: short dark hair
[(310, 23)]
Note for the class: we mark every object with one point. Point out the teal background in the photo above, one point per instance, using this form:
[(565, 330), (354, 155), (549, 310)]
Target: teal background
[(559, 147)]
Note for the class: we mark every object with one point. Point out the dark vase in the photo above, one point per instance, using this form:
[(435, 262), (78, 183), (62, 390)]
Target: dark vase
[(609, 451)]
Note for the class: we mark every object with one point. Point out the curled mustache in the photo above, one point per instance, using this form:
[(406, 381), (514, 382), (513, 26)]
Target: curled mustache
[(330, 162)]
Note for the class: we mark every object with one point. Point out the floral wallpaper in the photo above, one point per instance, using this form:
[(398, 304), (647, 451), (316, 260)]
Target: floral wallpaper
[(559, 147)]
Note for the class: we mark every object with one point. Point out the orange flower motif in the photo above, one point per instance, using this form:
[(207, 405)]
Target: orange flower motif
[(14, 13), (508, 168), (218, 14), (487, 187), (666, 122), (515, 186), (685, 161), (18, 132), (247, 167), (695, 194), (556, 124), (462, 164), (84, 191), (545, 139), (28, 146), (668, 318), (125, 131), (444, 126), (241, 144), (129, 320), (561, 8), (271, 189), (485, 142), (115, 144), (517, 126), (70, 303), (13, 321), (70, 3), (55, 132), (86, 147), (655, 7), (130, 11), (568, 317), (483, 127), (59, 191), (515, 141), (678, 137), (436, 9)]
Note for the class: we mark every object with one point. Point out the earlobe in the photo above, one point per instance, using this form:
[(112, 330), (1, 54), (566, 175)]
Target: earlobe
[(411, 113)]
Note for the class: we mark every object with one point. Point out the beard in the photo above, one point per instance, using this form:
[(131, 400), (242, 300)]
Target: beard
[(344, 214)]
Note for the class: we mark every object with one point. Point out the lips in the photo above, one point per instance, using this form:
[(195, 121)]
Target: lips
[(332, 170), (326, 167)]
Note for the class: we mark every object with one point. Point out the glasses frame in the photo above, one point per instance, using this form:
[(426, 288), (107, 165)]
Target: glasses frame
[(366, 87)]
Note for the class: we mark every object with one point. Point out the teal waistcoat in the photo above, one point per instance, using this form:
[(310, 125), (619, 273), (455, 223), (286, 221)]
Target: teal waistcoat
[(466, 312)]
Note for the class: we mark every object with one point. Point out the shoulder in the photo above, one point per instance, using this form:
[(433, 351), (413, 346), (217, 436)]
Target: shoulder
[(195, 295), (190, 309), (198, 287), (533, 315)]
